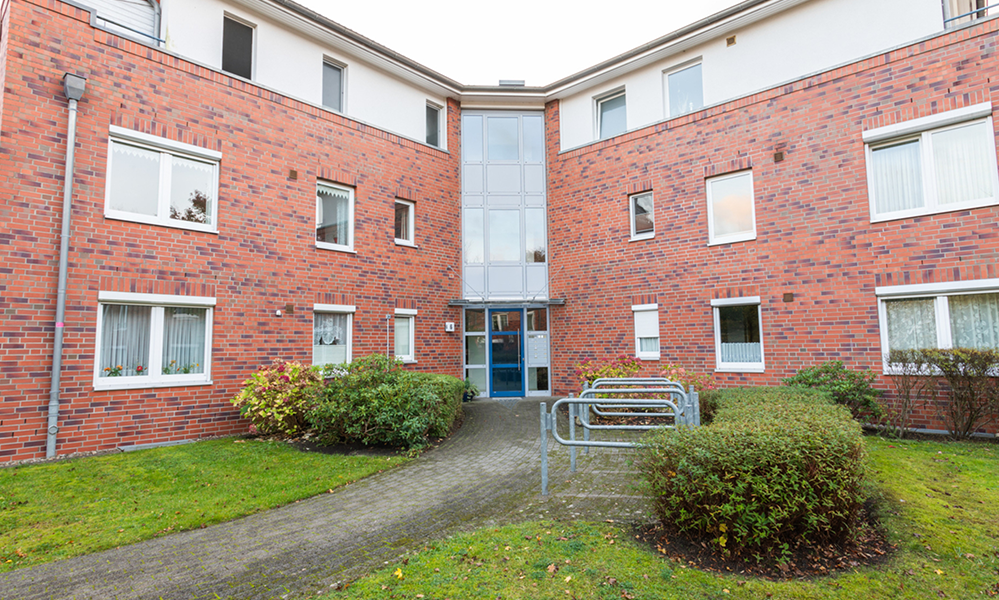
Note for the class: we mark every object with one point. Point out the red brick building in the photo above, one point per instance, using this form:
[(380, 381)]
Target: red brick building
[(220, 222)]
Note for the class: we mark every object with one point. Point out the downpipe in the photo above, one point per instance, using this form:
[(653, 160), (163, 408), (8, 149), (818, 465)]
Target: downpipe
[(73, 86)]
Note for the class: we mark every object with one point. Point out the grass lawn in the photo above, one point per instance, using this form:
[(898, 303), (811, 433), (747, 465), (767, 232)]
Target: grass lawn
[(62, 509), (941, 510)]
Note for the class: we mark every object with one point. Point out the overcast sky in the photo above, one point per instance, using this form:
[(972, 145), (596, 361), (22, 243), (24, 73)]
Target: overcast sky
[(539, 41)]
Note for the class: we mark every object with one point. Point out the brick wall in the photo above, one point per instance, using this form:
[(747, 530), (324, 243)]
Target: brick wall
[(262, 258), (815, 238)]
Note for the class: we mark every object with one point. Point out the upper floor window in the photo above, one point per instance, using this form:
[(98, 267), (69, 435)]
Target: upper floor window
[(149, 340), (237, 47), (612, 116), (433, 125), (334, 217), (684, 90), (959, 12), (934, 164), (160, 181), (332, 86), (731, 211), (642, 219), (404, 222)]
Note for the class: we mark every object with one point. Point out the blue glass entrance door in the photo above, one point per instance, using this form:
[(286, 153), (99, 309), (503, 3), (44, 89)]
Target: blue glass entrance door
[(506, 352)]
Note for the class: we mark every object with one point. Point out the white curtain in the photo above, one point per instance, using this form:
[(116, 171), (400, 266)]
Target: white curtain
[(912, 324), (334, 216), (897, 177), (184, 340), (974, 320), (963, 161), (748, 352), (125, 340), (650, 344), (329, 339), (403, 347)]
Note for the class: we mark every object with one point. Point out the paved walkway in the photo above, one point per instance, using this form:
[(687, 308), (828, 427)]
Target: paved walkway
[(487, 474)]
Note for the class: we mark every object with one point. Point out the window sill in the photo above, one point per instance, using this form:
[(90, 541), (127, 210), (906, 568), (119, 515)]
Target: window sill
[(170, 224), (136, 385), (733, 239), (406, 243), (647, 357), (644, 236), (937, 210), (335, 248), (407, 361), (735, 369)]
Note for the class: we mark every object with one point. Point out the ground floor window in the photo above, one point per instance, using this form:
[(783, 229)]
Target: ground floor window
[(148, 340), (738, 334), (405, 334), (331, 334), (646, 331), (941, 315)]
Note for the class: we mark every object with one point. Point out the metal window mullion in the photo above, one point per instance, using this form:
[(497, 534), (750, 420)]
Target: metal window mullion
[(163, 202), (207, 358), (156, 343), (759, 323), (929, 171), (350, 226), (350, 336), (942, 314), (717, 324)]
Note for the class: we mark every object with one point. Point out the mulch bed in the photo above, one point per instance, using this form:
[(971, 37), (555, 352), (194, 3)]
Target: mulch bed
[(871, 548)]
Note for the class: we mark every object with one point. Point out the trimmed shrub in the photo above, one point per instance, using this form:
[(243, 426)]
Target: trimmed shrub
[(853, 389), (779, 468), (974, 389), (277, 397), (375, 401), (594, 369)]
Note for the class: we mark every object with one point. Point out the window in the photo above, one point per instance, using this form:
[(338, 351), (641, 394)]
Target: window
[(934, 164), (160, 181), (405, 335), (642, 219), (738, 334), (332, 86), (684, 90), (612, 117), (433, 125), (334, 217), (150, 340), (331, 333), (476, 369), (646, 331), (731, 214), (960, 12), (237, 48), (404, 222), (939, 315)]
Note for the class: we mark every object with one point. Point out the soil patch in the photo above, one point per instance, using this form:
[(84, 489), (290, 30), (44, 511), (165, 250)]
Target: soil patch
[(870, 548)]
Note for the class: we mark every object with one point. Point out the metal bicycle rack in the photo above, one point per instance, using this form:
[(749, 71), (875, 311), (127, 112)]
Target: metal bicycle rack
[(657, 397)]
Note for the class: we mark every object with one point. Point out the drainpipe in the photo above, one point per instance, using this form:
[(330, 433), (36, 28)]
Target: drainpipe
[(73, 87)]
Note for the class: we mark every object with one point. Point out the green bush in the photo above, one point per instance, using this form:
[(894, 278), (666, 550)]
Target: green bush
[(853, 389), (276, 397), (777, 469), (374, 401), (623, 366), (974, 389)]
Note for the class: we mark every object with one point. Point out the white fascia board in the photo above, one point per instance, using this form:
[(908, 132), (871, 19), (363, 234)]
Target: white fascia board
[(334, 308), (406, 311), (743, 301), (157, 299), (573, 84), (951, 117), (978, 285)]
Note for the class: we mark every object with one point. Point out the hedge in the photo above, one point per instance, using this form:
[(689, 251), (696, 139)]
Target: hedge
[(777, 469)]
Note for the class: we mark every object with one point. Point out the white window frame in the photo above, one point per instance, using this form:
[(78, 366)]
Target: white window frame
[(672, 71), (410, 240), (636, 310), (253, 44), (406, 313), (335, 309), (735, 367), (343, 85), (167, 149), (635, 236), (731, 238), (922, 129), (440, 126), (349, 247), (156, 378), (939, 293), (598, 103)]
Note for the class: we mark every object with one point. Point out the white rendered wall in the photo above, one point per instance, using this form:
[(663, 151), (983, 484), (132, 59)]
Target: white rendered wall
[(291, 63), (807, 38)]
